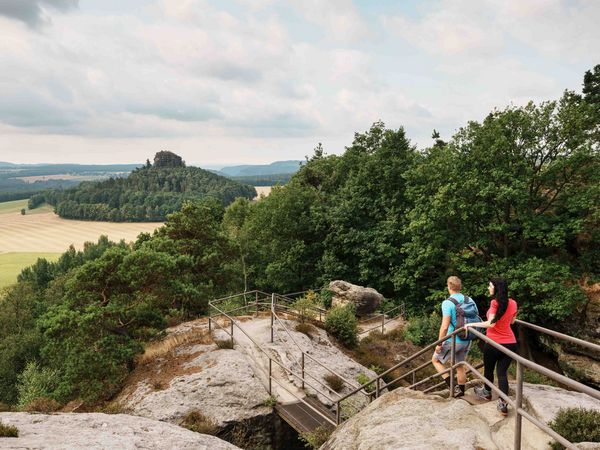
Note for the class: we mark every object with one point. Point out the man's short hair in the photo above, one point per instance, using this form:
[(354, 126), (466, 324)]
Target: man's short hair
[(454, 283)]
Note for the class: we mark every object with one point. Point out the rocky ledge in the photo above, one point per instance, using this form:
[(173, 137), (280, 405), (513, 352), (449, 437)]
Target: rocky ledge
[(412, 420), (102, 431)]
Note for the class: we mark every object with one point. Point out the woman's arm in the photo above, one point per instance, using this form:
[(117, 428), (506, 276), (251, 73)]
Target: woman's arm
[(487, 324)]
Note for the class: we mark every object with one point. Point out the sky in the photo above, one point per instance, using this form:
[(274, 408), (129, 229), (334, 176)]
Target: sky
[(253, 81)]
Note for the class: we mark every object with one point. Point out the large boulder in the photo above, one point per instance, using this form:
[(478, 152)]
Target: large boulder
[(187, 372), (366, 300), (75, 431), (412, 420)]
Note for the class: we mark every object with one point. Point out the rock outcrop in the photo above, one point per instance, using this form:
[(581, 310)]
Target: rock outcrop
[(412, 420), (188, 372), (366, 300), (96, 431)]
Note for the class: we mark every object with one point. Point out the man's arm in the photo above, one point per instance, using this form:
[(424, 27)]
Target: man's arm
[(443, 331)]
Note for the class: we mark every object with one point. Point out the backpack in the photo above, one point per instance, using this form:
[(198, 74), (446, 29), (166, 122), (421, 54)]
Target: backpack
[(466, 312)]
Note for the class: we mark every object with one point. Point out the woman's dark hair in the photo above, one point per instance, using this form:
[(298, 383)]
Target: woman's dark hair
[(501, 296)]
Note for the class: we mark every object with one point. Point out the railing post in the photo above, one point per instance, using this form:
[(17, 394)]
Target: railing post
[(270, 371), (377, 387), (231, 333), (256, 293), (452, 355), (302, 370), (382, 323), (518, 402), (271, 325), (337, 412)]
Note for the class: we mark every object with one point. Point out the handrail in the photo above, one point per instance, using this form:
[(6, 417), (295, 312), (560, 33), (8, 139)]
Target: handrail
[(306, 354), (383, 321), (558, 335), (576, 385), (271, 359)]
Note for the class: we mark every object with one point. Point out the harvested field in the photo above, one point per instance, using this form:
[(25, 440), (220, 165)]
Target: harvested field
[(262, 190), (42, 234), (47, 232)]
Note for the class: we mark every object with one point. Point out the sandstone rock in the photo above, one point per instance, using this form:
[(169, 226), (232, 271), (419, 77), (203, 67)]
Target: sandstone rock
[(95, 431), (545, 401), (365, 299), (325, 352), (580, 367), (195, 376), (412, 420)]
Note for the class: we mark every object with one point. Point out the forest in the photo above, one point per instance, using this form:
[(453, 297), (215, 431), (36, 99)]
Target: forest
[(514, 195), (148, 194)]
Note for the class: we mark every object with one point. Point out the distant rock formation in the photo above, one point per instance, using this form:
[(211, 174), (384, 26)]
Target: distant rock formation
[(77, 431), (366, 300), (412, 420), (167, 159)]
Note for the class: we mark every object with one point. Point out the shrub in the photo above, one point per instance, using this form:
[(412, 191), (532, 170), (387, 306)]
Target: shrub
[(576, 425), (334, 382), (198, 422), (42, 405), (224, 343), (271, 401), (362, 379), (8, 431), (315, 439), (305, 328), (305, 307), (341, 323), (36, 382), (325, 298), (423, 330)]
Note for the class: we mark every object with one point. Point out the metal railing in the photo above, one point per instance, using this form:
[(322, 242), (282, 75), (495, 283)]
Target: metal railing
[(522, 362), (275, 303), (385, 318), (214, 321)]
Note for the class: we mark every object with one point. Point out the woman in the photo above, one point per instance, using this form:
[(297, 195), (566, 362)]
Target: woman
[(501, 315)]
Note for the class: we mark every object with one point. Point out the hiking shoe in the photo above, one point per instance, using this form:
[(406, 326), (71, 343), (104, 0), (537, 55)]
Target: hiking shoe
[(482, 392), (502, 407), (458, 392)]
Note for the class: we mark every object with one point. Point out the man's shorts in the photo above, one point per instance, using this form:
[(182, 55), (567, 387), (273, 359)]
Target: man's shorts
[(461, 351)]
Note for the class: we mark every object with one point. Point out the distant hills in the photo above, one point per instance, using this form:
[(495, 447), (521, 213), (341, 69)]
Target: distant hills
[(250, 170), (149, 193)]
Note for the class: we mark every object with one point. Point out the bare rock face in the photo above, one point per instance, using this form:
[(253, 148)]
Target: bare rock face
[(545, 401), (413, 420), (195, 375), (366, 300), (96, 431)]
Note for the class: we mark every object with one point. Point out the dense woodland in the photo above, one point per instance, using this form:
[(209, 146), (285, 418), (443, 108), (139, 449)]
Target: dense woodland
[(149, 193), (515, 195)]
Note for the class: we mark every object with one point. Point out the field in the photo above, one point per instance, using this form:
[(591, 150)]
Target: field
[(17, 205), (11, 264), (263, 190), (41, 233)]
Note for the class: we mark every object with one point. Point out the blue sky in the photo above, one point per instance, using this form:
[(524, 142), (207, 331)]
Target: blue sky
[(253, 81)]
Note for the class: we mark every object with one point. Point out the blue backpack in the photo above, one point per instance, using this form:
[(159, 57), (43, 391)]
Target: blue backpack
[(466, 312)]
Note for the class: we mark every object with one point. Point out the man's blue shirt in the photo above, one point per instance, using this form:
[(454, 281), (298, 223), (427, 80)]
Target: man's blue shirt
[(449, 309)]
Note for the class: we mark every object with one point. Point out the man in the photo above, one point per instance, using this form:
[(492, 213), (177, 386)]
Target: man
[(442, 353)]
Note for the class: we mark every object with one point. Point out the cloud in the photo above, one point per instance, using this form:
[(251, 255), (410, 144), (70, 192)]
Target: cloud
[(34, 12)]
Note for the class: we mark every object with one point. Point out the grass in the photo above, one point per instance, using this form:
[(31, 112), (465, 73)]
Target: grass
[(334, 382), (16, 206), (11, 264), (198, 422), (8, 430)]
